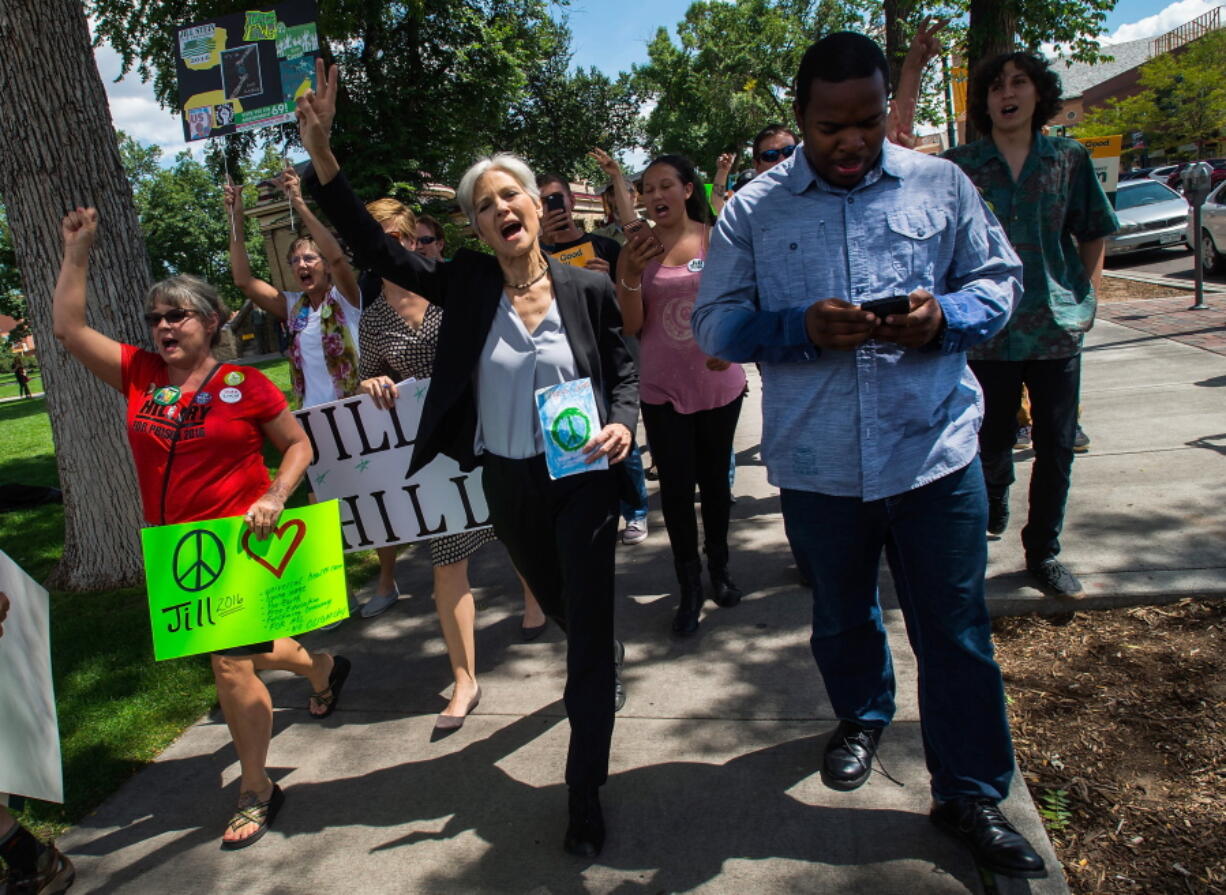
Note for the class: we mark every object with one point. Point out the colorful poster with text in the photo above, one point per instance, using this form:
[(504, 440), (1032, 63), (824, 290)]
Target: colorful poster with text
[(214, 585)]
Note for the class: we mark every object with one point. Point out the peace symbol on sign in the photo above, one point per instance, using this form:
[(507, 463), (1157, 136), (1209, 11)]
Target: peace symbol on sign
[(199, 558)]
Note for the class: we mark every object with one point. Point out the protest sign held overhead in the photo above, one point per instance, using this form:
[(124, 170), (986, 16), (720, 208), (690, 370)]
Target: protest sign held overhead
[(214, 585), (361, 455), (245, 70)]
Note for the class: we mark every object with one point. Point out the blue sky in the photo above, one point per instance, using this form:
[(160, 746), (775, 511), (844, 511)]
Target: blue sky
[(611, 36), (614, 36)]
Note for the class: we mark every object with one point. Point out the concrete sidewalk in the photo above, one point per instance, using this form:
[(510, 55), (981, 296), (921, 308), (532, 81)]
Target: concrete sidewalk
[(713, 786)]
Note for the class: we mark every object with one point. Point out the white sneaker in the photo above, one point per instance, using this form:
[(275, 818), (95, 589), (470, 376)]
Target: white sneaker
[(380, 603), (635, 531)]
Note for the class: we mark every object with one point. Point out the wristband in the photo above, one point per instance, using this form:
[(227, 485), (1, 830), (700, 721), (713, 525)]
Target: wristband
[(629, 288)]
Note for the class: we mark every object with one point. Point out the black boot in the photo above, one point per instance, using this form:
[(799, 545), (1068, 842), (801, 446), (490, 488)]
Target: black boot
[(689, 576), (585, 832), (723, 591)]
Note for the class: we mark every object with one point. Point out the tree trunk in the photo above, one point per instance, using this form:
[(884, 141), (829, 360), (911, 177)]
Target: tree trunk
[(897, 14), (992, 30), (58, 150)]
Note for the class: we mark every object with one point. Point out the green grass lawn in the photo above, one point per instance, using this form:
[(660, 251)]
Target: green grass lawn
[(8, 385), (118, 708)]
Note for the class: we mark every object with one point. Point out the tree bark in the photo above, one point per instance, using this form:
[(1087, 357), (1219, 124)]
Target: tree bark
[(992, 30), (58, 150)]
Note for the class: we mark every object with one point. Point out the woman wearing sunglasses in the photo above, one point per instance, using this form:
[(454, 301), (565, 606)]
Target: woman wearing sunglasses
[(197, 428), (430, 242), (690, 402), (323, 317)]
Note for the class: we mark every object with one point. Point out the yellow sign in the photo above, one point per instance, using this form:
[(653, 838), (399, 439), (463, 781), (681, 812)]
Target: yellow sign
[(957, 78), (578, 255), (1105, 153)]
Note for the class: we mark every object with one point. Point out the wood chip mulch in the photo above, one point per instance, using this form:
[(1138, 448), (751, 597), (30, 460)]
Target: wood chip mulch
[(1119, 729)]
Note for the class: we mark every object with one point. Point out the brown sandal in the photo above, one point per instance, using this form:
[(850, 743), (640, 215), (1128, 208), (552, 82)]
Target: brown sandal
[(252, 811), (330, 695)]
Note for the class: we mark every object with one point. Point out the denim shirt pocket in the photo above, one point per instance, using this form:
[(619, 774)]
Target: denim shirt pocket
[(915, 243), (780, 266)]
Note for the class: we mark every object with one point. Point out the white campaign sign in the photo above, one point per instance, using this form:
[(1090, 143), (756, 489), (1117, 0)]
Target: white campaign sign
[(361, 456), (29, 733)]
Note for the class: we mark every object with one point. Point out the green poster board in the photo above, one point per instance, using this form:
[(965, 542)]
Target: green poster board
[(212, 585)]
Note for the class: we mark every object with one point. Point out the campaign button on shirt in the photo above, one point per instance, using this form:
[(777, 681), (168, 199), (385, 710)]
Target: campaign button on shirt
[(204, 397), (234, 378), (231, 395)]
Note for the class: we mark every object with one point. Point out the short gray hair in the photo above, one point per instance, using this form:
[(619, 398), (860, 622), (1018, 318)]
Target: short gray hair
[(191, 293), (501, 161)]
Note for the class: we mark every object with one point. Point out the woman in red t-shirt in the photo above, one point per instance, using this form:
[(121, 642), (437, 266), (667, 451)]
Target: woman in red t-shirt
[(196, 428)]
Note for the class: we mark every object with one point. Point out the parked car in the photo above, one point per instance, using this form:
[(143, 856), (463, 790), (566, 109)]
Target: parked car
[(1212, 231), (1162, 172), (1136, 174), (1152, 216), (1175, 178)]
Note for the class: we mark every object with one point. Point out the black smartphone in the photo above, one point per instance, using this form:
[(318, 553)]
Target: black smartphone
[(555, 202), (884, 307)]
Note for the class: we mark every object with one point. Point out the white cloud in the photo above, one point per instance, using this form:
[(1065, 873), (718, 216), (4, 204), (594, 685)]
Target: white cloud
[(135, 112), (1169, 18)]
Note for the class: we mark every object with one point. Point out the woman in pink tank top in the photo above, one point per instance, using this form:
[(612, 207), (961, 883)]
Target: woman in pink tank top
[(690, 402)]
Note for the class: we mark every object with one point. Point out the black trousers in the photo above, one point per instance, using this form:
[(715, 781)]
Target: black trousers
[(689, 449), (1054, 386), (561, 536)]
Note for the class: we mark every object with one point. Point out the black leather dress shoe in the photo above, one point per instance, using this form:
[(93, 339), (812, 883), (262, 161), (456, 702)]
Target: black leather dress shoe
[(998, 515), (996, 845), (585, 834), (848, 759)]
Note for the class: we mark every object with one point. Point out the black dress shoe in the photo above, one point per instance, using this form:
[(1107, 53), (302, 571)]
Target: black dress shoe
[(996, 845), (998, 515), (848, 759), (585, 834)]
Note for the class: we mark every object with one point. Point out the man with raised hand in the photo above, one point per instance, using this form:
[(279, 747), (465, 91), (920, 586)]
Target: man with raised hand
[(1051, 204), (870, 421)]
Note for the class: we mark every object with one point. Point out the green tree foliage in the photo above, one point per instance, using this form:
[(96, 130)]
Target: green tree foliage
[(426, 86), (730, 72), (12, 301), (181, 217), (1183, 99)]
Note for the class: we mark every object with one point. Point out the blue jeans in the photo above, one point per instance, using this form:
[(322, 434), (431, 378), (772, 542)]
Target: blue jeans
[(935, 544), (634, 466)]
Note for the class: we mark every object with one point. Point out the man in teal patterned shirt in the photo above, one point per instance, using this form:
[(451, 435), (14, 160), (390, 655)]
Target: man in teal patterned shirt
[(1046, 195)]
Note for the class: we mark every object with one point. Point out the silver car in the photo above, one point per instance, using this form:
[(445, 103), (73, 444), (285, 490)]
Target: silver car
[(1212, 231), (1152, 216)]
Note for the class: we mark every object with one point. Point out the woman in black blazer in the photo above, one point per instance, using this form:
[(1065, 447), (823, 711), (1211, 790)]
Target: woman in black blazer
[(556, 318)]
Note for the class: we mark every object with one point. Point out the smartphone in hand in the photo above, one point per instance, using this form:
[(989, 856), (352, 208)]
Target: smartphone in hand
[(634, 228), (555, 202), (882, 308)]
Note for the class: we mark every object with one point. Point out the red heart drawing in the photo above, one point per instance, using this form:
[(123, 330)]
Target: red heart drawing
[(299, 534)]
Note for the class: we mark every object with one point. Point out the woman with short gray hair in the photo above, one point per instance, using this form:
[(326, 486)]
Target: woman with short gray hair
[(197, 428), (517, 321)]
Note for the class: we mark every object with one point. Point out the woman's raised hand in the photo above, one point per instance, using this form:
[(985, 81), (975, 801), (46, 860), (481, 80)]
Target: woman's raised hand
[(290, 184), (317, 109), (232, 196), (724, 163), (607, 163), (79, 228)]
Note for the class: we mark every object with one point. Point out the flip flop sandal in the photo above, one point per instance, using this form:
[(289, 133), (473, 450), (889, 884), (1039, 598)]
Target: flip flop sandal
[(336, 682), (252, 811)]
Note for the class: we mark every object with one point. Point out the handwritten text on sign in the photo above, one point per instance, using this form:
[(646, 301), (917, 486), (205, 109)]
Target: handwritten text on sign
[(213, 585), (361, 459)]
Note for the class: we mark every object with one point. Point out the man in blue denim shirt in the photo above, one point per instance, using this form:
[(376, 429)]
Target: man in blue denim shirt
[(869, 425)]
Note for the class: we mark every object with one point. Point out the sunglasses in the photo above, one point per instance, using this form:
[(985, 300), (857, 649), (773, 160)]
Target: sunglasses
[(174, 316), (774, 155), (427, 240)]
